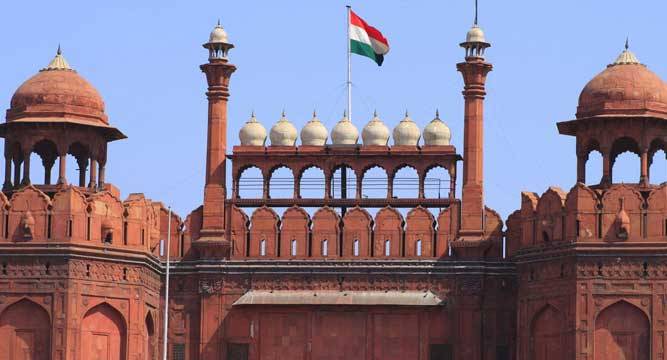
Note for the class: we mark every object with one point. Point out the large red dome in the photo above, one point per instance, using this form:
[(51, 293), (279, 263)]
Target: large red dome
[(57, 91), (624, 88)]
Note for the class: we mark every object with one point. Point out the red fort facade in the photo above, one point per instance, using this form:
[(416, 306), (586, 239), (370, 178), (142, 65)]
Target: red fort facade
[(577, 274)]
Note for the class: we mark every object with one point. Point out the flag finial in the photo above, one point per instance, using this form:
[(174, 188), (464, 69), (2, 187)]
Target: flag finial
[(437, 113), (627, 42), (475, 12)]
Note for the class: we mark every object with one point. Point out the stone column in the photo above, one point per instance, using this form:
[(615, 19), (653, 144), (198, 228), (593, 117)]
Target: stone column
[(606, 168), (359, 185), (83, 165), (390, 186), (17, 170), (26, 169), (8, 172), (62, 168), (48, 166), (102, 175), (93, 174), (581, 168), (452, 181), (422, 180), (643, 171)]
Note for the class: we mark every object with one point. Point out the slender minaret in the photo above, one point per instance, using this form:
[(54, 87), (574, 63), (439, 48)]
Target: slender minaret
[(474, 71), (218, 71)]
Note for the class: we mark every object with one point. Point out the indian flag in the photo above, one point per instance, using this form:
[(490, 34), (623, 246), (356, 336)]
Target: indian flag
[(366, 40)]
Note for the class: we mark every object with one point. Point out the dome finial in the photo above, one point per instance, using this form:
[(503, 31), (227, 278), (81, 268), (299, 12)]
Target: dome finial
[(437, 113), (314, 113), (252, 113), (59, 51), (406, 113), (283, 113), (345, 113), (375, 113), (627, 41), (58, 62), (219, 23)]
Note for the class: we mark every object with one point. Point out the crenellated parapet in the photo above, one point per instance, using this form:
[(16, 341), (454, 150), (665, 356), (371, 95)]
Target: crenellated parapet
[(92, 219), (621, 214)]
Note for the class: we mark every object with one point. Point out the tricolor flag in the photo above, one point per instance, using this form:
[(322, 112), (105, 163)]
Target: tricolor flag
[(366, 40)]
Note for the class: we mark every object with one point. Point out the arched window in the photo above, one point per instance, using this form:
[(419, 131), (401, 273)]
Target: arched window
[(355, 247), (281, 183), (387, 247), (419, 247), (311, 183), (436, 183), (262, 247), (658, 169), (594, 167), (250, 184), (406, 183), (293, 247), (374, 183), (325, 247), (626, 168), (337, 188)]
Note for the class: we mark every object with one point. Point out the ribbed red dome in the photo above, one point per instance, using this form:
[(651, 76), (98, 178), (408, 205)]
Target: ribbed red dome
[(57, 93), (624, 89)]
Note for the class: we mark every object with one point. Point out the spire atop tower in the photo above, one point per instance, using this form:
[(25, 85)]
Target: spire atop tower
[(627, 40), (58, 62), (475, 23), (218, 44), (475, 43)]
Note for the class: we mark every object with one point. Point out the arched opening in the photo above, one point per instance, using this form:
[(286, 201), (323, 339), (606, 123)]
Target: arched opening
[(281, 183), (622, 332), (374, 183), (625, 161), (251, 183), (25, 332), (103, 334), (42, 164), (658, 163), (325, 247), (436, 183), (80, 157), (151, 339), (311, 183), (406, 183), (343, 183), (594, 167), (546, 335)]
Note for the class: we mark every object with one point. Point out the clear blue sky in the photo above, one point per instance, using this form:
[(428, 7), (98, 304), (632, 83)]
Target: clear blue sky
[(144, 58)]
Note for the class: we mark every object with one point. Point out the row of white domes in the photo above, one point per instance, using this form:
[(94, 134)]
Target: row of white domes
[(283, 133)]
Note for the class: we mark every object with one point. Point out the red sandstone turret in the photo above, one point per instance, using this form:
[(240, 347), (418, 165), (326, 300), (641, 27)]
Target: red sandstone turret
[(218, 71)]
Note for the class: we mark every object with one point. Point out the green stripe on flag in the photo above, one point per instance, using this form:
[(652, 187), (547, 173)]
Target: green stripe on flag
[(363, 49)]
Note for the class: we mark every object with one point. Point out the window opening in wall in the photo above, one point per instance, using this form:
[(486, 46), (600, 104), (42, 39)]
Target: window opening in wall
[(387, 248), (599, 223), (125, 274), (47, 268), (419, 247), (502, 352), (355, 247), (644, 225), (441, 352), (665, 233), (48, 226), (143, 239), (325, 247), (262, 248), (124, 232), (237, 351), (88, 227), (182, 248), (293, 248), (578, 226), (4, 268), (69, 228), (88, 270), (7, 225)]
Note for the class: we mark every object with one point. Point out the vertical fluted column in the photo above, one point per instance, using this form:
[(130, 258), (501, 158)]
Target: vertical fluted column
[(474, 71), (218, 72)]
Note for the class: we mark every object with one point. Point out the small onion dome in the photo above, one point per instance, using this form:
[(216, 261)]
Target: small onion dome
[(252, 133), (344, 133), (475, 34), (218, 35), (375, 132), (406, 132), (437, 132), (314, 133), (283, 133)]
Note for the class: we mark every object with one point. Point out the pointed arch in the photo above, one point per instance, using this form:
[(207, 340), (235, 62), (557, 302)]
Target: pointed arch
[(546, 334), (388, 233), (103, 333), (357, 226), (264, 225), (622, 331), (32, 200), (633, 203), (294, 232), (239, 232), (581, 206), (419, 233), (550, 215), (151, 337), (325, 232), (25, 331)]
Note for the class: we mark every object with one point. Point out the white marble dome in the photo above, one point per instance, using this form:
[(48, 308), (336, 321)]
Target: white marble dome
[(283, 133), (437, 132), (314, 133), (252, 133), (375, 132), (475, 34), (406, 132), (218, 35), (344, 133)]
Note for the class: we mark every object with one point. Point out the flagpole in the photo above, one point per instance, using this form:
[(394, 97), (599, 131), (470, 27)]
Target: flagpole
[(166, 291), (349, 67)]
